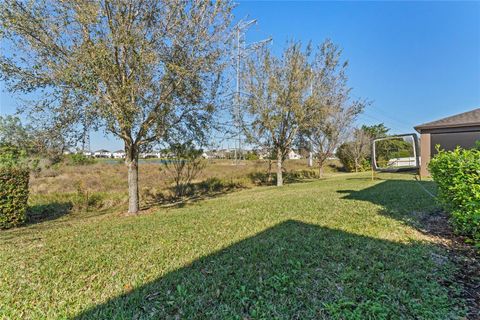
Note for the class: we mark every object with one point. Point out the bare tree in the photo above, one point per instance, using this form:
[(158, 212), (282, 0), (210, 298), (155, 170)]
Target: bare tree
[(277, 99), (143, 70), (359, 147), (328, 134), (332, 110)]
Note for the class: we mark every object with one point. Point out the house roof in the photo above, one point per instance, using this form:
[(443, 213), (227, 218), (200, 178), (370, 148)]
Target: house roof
[(466, 119), (119, 151), (102, 150)]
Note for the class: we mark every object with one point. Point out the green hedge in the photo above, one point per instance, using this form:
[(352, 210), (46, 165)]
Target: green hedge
[(13, 196), (457, 174)]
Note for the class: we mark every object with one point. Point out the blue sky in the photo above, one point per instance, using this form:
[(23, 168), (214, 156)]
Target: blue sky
[(417, 61)]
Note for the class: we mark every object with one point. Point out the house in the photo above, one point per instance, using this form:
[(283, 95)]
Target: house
[(292, 155), (263, 153), (149, 155), (208, 155), (85, 153), (119, 154), (461, 130), (102, 153)]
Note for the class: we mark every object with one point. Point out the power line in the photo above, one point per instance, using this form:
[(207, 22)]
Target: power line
[(242, 49)]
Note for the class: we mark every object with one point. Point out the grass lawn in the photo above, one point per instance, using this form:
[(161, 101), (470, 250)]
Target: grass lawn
[(341, 248)]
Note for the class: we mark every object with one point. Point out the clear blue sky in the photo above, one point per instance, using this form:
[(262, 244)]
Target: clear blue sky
[(417, 61)]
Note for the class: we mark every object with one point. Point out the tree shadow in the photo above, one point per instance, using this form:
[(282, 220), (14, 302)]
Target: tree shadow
[(398, 201), (207, 189), (295, 270), (45, 212), (260, 178)]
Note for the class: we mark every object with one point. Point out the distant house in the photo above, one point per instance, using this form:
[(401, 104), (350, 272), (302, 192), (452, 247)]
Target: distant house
[(292, 155), (263, 153), (119, 154), (217, 154), (461, 130), (102, 153), (85, 153), (149, 155)]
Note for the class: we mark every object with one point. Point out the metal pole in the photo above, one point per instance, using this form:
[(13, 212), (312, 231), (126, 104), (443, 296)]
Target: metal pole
[(240, 29), (310, 158), (237, 103)]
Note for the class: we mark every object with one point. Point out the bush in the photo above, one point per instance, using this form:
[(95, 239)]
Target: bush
[(347, 158), (185, 167), (85, 200), (457, 174), (214, 184), (299, 175), (251, 156), (268, 178), (13, 196), (12, 156), (78, 159)]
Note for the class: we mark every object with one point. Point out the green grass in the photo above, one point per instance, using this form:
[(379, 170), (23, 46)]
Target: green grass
[(341, 248)]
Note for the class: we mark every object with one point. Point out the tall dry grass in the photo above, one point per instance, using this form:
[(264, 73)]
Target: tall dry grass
[(103, 185)]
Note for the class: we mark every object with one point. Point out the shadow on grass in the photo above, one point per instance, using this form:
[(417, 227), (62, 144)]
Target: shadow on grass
[(46, 212), (295, 271), (270, 179), (207, 189), (400, 199)]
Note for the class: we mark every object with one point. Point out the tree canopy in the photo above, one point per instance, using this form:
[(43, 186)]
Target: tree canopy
[(277, 99), (143, 71)]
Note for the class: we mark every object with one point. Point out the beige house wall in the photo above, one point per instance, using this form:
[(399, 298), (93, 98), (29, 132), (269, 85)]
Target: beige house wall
[(424, 154)]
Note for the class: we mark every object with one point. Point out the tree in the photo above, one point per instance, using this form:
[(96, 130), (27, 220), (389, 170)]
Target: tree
[(143, 71), (33, 140), (13, 132), (277, 99), (332, 111), (376, 130), (360, 147), (354, 153)]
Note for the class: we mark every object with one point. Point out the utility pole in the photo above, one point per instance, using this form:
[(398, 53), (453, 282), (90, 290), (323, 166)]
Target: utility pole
[(86, 136), (86, 142), (241, 51), (310, 155)]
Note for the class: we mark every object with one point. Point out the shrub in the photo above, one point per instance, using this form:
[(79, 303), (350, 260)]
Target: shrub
[(266, 178), (220, 185), (78, 159), (347, 158), (251, 156), (85, 200), (298, 175), (13, 195), (457, 174), (11, 156), (185, 167)]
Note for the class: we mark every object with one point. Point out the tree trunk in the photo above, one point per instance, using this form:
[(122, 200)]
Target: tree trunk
[(310, 159), (132, 163), (279, 169), (269, 178), (320, 170)]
